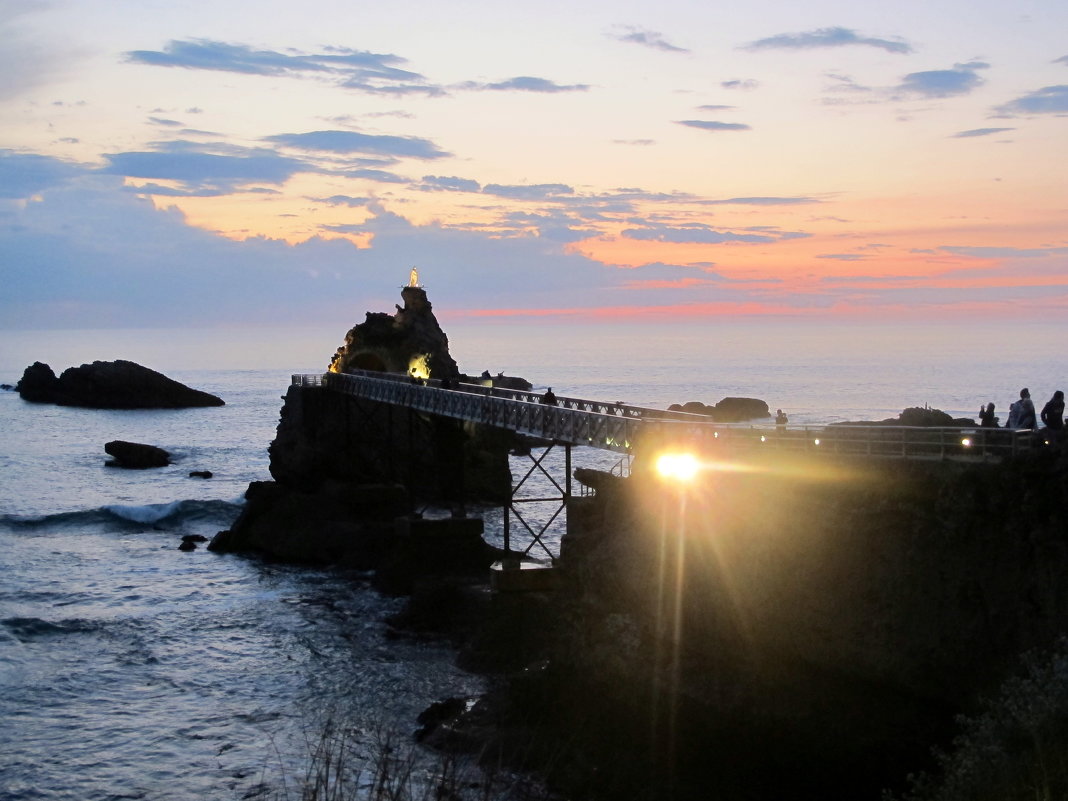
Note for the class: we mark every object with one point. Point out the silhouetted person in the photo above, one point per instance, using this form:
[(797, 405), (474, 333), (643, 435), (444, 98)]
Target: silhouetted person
[(549, 399), (1022, 412), (1027, 417), (1053, 416), (987, 418), (781, 419)]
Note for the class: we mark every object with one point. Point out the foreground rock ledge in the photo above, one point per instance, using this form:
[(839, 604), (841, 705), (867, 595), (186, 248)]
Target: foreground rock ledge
[(110, 385)]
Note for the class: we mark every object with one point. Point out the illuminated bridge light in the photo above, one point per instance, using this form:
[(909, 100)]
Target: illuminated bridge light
[(816, 441), (677, 466), (966, 442), (763, 438)]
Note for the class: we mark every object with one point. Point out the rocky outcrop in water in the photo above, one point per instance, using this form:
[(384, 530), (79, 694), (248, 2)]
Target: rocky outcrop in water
[(348, 471), (110, 385), (728, 410), (136, 456), (410, 341), (919, 416)]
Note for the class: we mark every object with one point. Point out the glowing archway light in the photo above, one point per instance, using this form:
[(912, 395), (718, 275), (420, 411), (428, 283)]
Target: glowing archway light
[(677, 466), (418, 366)]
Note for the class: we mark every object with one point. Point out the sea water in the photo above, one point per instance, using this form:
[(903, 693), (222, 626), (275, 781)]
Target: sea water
[(130, 669)]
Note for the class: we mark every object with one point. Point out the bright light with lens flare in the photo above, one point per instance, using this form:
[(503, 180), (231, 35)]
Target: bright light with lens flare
[(677, 466)]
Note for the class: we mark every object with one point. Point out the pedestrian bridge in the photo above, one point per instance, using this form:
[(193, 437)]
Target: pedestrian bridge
[(620, 427)]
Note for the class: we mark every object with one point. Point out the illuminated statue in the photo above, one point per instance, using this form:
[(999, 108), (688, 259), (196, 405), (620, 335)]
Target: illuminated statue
[(413, 277)]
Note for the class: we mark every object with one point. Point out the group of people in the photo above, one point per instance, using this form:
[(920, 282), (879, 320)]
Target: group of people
[(1022, 413)]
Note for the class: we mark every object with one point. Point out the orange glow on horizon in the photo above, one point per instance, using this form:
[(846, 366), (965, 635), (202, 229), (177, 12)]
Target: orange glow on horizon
[(694, 311)]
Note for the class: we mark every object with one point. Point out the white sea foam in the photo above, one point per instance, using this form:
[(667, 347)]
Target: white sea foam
[(149, 513)]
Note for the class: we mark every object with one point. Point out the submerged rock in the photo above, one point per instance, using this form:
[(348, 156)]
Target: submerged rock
[(110, 385)]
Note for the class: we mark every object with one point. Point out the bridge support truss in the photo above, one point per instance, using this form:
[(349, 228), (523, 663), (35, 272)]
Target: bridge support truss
[(537, 530)]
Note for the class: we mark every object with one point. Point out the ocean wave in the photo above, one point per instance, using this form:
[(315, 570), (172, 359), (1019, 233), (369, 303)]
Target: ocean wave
[(29, 629), (162, 515)]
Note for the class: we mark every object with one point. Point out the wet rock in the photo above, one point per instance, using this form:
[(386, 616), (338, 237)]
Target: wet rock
[(200, 474), (136, 456), (438, 713)]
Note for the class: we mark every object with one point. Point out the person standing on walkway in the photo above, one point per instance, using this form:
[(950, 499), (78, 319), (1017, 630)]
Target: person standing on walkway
[(1053, 417), (987, 418), (1025, 417)]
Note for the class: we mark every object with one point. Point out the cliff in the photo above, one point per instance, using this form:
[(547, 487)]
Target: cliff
[(789, 631), (410, 341), (349, 472)]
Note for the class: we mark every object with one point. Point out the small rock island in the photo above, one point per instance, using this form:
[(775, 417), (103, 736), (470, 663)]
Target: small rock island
[(110, 385)]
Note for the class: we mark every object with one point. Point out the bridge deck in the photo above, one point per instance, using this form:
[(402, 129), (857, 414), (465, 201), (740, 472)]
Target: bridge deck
[(619, 427)]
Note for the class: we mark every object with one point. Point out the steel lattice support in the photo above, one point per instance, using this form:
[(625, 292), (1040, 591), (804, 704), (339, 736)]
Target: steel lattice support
[(538, 467)]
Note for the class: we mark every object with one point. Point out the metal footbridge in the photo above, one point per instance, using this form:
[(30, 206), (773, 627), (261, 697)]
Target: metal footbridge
[(619, 427)]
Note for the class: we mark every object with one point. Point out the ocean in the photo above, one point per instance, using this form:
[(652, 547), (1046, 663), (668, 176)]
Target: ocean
[(130, 669)]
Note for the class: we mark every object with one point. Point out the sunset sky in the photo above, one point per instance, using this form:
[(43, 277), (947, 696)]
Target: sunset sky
[(228, 162)]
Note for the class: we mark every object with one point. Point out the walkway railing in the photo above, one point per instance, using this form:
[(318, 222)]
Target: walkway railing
[(619, 427)]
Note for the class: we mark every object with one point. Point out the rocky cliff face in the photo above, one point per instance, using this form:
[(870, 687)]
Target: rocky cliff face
[(830, 624), (346, 470), (410, 341)]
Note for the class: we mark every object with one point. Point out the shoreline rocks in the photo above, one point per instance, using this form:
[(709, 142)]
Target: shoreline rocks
[(116, 384)]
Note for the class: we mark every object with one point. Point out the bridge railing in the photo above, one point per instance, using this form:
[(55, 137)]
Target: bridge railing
[(900, 442), (618, 427)]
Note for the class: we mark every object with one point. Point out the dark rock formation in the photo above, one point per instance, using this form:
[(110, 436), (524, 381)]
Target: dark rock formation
[(728, 410), (200, 474), (335, 523), (346, 470), (499, 381), (834, 622), (327, 436), (136, 456), (39, 384), (409, 340), (919, 416), (110, 385)]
